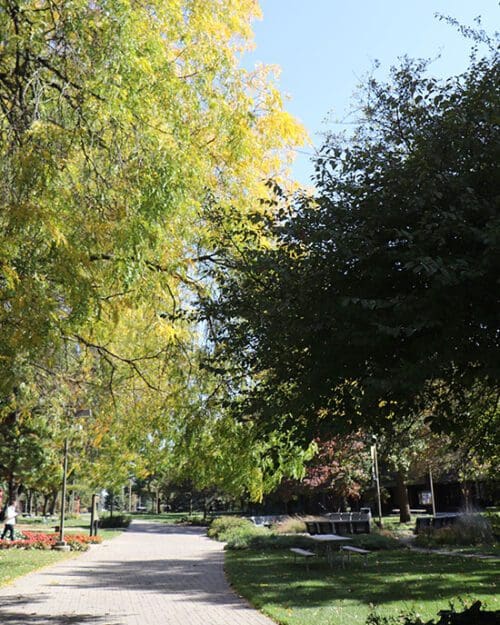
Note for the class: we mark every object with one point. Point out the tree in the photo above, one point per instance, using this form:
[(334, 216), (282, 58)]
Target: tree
[(120, 125), (376, 299), (117, 124)]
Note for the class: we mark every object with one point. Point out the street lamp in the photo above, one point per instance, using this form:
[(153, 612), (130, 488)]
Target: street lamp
[(373, 450), (61, 544)]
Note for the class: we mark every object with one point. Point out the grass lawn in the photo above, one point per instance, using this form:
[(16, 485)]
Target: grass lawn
[(166, 517), (71, 526), (393, 582), (17, 562)]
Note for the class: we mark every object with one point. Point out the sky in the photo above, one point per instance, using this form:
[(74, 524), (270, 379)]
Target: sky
[(325, 47)]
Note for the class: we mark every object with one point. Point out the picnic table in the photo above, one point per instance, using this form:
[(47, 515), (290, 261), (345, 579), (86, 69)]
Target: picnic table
[(329, 540)]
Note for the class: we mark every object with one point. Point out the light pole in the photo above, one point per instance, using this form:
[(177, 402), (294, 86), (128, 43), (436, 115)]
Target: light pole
[(373, 450), (433, 499), (61, 544)]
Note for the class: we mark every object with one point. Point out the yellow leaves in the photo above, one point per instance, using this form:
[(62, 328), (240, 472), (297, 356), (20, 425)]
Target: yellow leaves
[(10, 276), (57, 236)]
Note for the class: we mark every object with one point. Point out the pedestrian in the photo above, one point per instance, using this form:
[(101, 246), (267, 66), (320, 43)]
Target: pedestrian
[(10, 520)]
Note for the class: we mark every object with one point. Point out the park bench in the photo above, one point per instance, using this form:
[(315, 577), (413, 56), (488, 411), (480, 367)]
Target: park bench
[(427, 523), (342, 523), (348, 550), (303, 553)]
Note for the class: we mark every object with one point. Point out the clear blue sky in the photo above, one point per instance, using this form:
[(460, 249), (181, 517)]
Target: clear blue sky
[(325, 47)]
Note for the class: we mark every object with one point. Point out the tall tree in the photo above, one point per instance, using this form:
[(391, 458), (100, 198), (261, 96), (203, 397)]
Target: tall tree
[(378, 297), (120, 125), (118, 122)]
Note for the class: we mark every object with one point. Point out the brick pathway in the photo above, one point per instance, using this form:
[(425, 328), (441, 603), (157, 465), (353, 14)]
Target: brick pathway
[(152, 574)]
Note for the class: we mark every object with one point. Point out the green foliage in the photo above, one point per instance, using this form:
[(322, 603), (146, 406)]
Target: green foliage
[(194, 519), (291, 525), (376, 541), (375, 300), (470, 529), (494, 521), (222, 527), (119, 128)]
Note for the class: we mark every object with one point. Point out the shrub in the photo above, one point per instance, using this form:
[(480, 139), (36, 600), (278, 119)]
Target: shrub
[(470, 529), (494, 520), (377, 541), (222, 527), (117, 520), (197, 519), (264, 540), (244, 537), (291, 525)]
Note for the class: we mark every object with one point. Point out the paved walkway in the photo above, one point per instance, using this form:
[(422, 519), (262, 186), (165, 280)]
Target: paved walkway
[(152, 574)]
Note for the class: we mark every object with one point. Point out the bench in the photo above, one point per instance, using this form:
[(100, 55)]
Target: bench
[(347, 549), (297, 551)]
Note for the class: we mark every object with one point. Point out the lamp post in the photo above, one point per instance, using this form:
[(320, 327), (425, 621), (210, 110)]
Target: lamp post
[(373, 450), (61, 544), (433, 499)]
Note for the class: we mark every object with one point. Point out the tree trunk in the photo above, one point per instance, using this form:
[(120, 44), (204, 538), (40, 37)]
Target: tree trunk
[(466, 494), (52, 508), (13, 488), (402, 498), (29, 502)]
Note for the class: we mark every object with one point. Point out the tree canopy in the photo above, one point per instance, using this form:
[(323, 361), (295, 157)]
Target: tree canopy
[(120, 124), (377, 297)]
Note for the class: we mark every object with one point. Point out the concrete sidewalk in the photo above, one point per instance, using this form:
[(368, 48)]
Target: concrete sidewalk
[(152, 574)]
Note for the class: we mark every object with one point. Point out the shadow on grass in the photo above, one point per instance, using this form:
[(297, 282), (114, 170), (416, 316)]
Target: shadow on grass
[(273, 578)]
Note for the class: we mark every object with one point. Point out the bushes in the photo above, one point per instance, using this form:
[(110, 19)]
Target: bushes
[(223, 527), (494, 520), (117, 520), (291, 525), (470, 529), (376, 541), (262, 539), (243, 537), (195, 519)]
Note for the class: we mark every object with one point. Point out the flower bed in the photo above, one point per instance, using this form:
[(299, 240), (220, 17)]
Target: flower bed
[(40, 540)]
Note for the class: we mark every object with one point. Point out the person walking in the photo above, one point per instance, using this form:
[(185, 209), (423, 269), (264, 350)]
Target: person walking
[(10, 520)]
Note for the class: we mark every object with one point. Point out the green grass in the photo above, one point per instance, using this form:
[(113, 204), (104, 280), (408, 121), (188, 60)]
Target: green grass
[(79, 525), (167, 517), (17, 562), (392, 524), (393, 582)]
